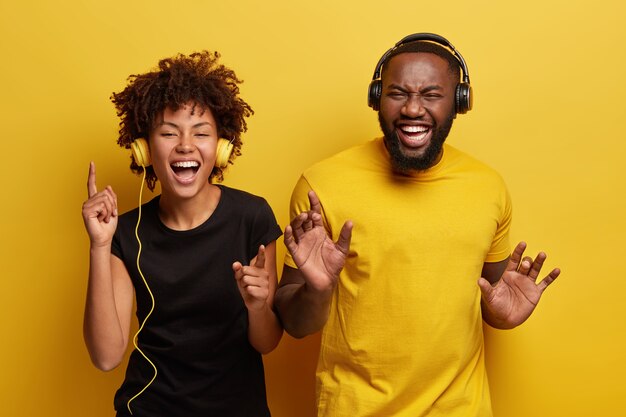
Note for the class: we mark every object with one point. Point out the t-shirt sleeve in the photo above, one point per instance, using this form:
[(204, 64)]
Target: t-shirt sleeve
[(265, 228), (124, 236), (501, 246)]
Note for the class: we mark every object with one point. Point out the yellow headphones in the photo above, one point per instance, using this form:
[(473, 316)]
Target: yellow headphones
[(222, 155), (141, 152)]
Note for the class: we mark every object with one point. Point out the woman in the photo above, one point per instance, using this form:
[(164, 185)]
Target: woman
[(201, 262)]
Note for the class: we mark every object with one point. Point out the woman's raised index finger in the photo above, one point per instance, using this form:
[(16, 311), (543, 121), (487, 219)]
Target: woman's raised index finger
[(92, 189)]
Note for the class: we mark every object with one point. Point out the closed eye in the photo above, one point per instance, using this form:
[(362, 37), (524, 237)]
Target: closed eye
[(202, 136), (397, 95)]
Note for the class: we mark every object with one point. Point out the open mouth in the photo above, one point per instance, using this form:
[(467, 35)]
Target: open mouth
[(185, 169), (414, 136)]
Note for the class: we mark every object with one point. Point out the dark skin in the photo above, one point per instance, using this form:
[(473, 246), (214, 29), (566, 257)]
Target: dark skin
[(417, 91), (509, 288), (509, 300), (417, 94), (303, 295)]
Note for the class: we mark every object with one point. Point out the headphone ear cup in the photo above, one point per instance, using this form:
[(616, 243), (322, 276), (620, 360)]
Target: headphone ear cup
[(141, 152), (222, 155), (374, 93), (464, 99)]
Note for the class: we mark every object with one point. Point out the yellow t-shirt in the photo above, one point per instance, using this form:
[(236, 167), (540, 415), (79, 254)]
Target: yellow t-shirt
[(404, 337)]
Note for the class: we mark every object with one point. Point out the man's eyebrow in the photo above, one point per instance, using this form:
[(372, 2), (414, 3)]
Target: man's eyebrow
[(431, 88), (426, 89), (396, 87)]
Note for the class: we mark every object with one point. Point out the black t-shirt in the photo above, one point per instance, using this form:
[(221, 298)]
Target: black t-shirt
[(197, 335)]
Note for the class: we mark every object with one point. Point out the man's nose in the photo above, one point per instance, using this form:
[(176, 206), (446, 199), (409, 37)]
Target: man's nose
[(413, 106)]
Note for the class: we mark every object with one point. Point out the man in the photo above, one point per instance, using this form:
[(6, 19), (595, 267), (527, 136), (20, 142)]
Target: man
[(401, 299)]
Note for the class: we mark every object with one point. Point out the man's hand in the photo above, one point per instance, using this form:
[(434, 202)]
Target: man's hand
[(513, 298), (318, 258)]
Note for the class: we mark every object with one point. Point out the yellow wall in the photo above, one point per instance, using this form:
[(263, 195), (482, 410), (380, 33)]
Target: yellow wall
[(548, 77)]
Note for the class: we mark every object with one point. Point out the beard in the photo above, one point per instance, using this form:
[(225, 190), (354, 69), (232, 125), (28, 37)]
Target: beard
[(404, 163)]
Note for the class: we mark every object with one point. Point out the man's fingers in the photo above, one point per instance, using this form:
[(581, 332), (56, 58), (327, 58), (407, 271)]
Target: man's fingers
[(549, 279), (537, 265), (290, 241), (485, 288), (296, 225), (345, 237), (92, 189), (525, 265), (516, 257), (314, 201), (307, 225), (317, 220), (259, 261)]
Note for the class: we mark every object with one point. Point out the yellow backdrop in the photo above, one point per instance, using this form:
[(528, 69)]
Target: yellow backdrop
[(548, 78)]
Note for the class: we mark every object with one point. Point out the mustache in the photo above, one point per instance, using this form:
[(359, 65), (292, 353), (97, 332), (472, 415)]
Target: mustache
[(404, 163)]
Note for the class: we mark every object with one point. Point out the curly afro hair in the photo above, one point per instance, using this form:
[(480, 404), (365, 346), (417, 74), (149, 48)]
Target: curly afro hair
[(196, 78)]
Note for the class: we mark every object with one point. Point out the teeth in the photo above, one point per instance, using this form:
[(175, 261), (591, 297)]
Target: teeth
[(414, 129), (185, 164)]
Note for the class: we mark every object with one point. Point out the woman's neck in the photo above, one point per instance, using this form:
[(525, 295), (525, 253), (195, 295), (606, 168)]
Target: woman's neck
[(187, 214)]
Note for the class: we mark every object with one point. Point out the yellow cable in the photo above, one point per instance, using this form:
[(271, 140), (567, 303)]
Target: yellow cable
[(136, 337)]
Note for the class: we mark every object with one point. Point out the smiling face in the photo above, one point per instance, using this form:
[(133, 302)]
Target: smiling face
[(416, 109), (183, 145)]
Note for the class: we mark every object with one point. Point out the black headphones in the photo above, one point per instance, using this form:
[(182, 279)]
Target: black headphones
[(463, 94)]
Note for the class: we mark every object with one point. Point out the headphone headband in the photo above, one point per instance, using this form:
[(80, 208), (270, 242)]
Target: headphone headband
[(423, 36), (463, 92)]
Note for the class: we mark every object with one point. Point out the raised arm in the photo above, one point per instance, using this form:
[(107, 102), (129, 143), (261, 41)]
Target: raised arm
[(304, 294), (108, 307), (510, 291), (257, 285)]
